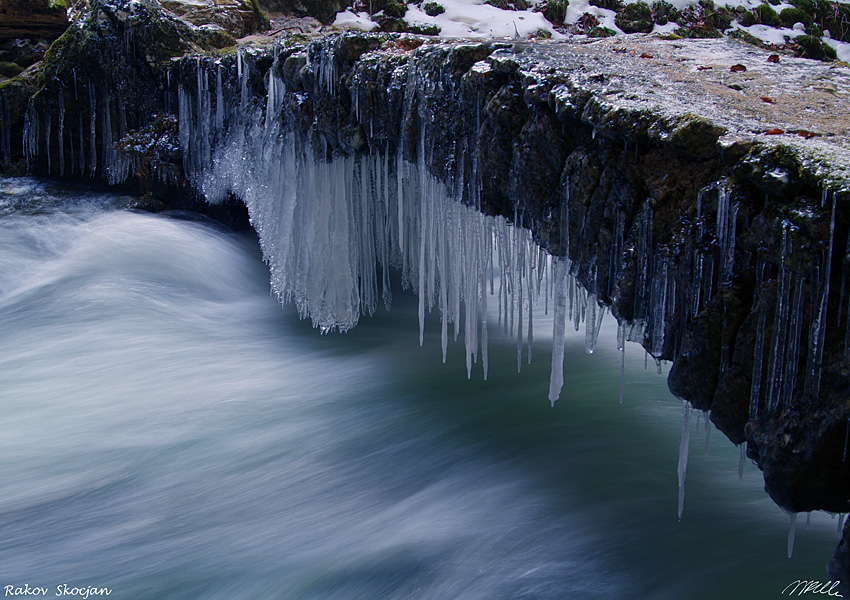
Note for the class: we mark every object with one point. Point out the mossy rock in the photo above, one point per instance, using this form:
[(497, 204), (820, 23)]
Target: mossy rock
[(664, 12), (424, 29), (601, 32), (391, 24), (747, 38), (614, 5), (699, 32), (815, 48), (395, 9), (432, 9), (789, 16), (555, 11), (717, 17), (10, 69), (635, 18), (765, 15), (323, 10)]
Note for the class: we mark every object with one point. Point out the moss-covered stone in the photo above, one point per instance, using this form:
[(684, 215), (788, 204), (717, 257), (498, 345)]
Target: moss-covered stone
[(814, 47), (664, 12), (432, 9), (790, 16), (10, 69), (614, 5), (765, 15), (600, 32), (555, 11), (395, 9), (635, 18)]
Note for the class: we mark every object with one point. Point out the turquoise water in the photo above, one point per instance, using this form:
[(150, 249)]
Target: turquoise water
[(168, 431)]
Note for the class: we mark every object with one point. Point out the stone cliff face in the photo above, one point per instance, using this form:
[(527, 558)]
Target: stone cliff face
[(708, 208)]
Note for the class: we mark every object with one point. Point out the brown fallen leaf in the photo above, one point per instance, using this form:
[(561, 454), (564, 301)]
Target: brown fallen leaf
[(703, 68), (738, 68), (632, 52), (768, 99), (773, 58), (775, 131), (645, 55), (805, 134)]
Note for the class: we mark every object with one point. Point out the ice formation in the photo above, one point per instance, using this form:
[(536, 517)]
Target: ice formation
[(332, 223)]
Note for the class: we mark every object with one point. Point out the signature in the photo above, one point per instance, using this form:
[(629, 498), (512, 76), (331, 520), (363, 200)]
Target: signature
[(800, 587)]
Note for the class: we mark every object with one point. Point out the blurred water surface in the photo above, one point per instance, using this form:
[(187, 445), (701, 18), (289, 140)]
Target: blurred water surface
[(168, 431)]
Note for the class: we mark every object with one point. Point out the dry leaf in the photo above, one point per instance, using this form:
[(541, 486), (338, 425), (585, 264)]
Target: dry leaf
[(738, 68), (645, 55), (775, 131), (773, 58), (768, 99), (703, 68)]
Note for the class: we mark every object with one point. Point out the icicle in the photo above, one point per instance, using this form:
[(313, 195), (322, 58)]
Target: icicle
[(61, 137), (741, 461), (590, 324), (621, 346), (558, 326), (758, 356), (840, 523), (846, 439), (92, 135), (780, 323), (791, 533), (683, 453)]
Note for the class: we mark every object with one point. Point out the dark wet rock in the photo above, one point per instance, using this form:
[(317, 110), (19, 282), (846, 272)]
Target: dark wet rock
[(32, 19), (237, 17)]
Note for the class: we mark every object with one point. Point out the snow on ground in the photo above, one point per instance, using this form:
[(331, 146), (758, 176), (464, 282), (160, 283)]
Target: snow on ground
[(351, 20), (770, 35), (475, 19), (841, 48)]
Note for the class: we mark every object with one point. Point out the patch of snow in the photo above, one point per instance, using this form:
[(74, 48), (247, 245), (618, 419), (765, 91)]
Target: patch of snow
[(841, 48), (770, 35), (350, 20), (475, 19), (670, 27)]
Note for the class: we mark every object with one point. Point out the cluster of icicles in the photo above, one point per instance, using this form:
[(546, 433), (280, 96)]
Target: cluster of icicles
[(331, 229), (332, 226)]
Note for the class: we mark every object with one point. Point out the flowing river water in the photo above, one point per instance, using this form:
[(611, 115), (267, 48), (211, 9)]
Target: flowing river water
[(169, 432)]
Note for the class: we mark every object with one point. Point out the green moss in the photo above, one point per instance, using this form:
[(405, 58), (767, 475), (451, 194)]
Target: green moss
[(635, 18), (614, 5), (601, 32), (765, 15), (664, 12), (815, 48), (57, 5), (745, 37), (747, 19), (424, 29), (10, 69), (789, 16), (391, 24), (699, 31), (432, 9), (395, 9), (555, 11)]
